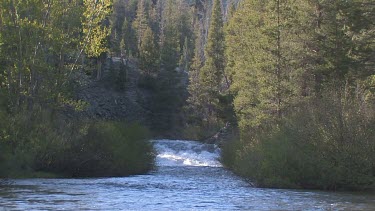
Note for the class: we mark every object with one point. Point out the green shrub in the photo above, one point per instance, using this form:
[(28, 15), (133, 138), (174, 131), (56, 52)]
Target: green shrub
[(199, 132), (112, 149), (326, 144), (39, 143)]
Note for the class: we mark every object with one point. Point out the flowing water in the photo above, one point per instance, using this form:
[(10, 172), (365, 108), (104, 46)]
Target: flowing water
[(189, 177)]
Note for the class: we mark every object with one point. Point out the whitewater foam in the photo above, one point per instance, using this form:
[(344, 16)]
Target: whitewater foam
[(186, 153)]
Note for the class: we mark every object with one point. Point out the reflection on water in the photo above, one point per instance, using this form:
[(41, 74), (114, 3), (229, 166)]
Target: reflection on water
[(178, 186)]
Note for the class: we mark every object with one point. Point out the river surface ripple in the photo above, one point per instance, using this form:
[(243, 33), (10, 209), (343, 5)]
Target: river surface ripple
[(188, 177)]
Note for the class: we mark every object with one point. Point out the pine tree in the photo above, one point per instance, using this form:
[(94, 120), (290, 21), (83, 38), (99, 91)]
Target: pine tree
[(265, 59), (341, 42), (140, 23), (116, 21), (170, 94), (155, 18), (185, 31), (148, 53), (170, 45), (128, 42), (184, 60), (195, 104), (297, 69), (211, 74)]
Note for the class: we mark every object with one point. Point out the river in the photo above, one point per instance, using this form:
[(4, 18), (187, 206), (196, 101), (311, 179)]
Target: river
[(188, 177)]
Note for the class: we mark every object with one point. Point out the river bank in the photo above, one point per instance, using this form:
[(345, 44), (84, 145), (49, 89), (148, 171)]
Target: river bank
[(50, 149), (188, 176)]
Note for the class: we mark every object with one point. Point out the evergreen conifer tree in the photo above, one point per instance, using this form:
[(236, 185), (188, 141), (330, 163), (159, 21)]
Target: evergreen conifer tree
[(170, 45), (265, 59), (140, 23), (184, 60), (211, 74), (148, 53), (195, 92)]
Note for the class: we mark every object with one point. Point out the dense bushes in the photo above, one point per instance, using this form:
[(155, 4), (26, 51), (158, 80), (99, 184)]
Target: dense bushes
[(328, 143), (112, 149), (43, 142)]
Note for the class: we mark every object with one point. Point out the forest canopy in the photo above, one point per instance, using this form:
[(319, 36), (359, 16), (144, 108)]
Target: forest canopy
[(294, 80)]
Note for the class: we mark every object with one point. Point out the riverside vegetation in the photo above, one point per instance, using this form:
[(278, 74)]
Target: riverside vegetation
[(294, 79), (303, 84), (42, 45)]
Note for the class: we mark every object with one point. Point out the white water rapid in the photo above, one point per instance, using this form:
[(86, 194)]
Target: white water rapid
[(186, 153)]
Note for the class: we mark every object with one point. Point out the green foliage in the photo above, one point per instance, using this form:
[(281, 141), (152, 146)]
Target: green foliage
[(155, 19), (331, 150), (206, 76), (168, 102), (195, 106), (199, 131), (123, 37), (95, 32), (185, 56), (170, 93), (211, 74), (128, 41), (209, 103), (170, 40), (148, 53), (300, 75), (121, 78), (40, 45), (264, 61), (140, 23), (38, 39), (41, 142), (118, 27), (185, 33), (231, 10), (148, 82), (112, 149)]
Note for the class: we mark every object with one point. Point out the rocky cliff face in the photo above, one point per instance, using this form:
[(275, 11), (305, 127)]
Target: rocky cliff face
[(113, 99)]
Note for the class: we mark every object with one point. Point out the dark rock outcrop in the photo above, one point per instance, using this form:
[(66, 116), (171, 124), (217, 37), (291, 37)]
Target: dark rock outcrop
[(223, 135), (107, 99)]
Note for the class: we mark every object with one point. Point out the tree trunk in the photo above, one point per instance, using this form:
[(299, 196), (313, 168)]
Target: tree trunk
[(99, 69)]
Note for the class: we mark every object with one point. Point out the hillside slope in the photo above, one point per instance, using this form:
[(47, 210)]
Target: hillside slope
[(107, 101)]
